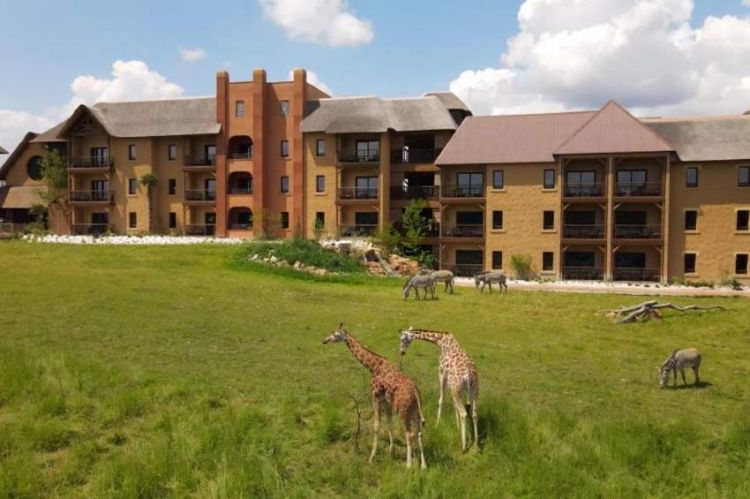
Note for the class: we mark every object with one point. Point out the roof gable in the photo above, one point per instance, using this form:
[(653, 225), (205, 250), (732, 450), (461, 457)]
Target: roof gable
[(613, 130)]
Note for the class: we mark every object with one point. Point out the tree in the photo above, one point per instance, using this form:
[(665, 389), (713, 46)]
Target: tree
[(54, 177), (149, 181), (415, 226)]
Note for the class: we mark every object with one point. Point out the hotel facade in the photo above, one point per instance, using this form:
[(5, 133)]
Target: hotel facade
[(594, 195)]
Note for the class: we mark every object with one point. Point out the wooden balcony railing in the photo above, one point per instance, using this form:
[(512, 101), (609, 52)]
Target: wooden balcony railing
[(360, 157), (357, 230), (463, 230), (200, 195), (463, 269), (638, 232), (200, 229), (584, 190), (416, 192), (636, 274), (90, 229), (414, 156), (462, 191), (91, 196), (583, 231), (93, 162), (582, 273), (636, 189), (348, 193)]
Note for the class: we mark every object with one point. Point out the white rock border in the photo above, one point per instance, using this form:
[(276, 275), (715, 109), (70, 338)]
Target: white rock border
[(152, 240)]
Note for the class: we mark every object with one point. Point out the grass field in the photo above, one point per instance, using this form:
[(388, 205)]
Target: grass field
[(162, 371)]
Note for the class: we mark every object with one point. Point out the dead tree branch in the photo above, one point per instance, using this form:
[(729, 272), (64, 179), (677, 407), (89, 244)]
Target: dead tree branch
[(651, 310)]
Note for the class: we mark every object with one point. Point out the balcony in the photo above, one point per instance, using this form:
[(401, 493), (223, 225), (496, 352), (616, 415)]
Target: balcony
[(200, 196), (583, 231), (415, 192), (91, 197), (582, 273), (638, 232), (431, 231), (594, 190), (414, 156), (638, 189), (200, 229), (463, 192), (234, 189), (636, 274), (467, 231), (357, 193), (92, 163), (240, 226), (357, 230), (90, 229), (359, 158), (463, 269), (12, 228), (199, 164), (242, 156)]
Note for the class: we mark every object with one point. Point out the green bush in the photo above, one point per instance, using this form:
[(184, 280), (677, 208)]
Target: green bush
[(521, 265), (302, 250)]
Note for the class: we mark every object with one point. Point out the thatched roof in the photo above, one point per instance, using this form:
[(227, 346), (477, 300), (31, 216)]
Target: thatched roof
[(450, 101), (719, 138), (3, 151), (20, 196), (376, 115), (16, 153)]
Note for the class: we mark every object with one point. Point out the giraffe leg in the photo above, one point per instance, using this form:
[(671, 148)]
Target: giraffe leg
[(376, 410), (421, 449), (442, 378), (408, 435), (389, 416), (461, 411)]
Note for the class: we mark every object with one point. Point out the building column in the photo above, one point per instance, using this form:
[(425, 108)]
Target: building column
[(297, 218), (665, 220), (222, 96), (384, 184), (609, 257), (259, 150)]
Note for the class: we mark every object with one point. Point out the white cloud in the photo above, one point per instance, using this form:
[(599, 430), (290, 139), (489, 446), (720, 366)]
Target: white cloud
[(326, 22), (572, 54), (192, 55), (131, 80), (314, 79), (746, 2)]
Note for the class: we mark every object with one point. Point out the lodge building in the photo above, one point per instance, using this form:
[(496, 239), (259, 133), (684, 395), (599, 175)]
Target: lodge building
[(594, 195)]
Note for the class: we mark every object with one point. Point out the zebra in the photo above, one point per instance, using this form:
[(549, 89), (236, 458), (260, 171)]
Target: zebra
[(426, 282), (680, 360), (487, 278), (445, 276)]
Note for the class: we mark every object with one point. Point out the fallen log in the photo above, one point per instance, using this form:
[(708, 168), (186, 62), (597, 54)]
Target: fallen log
[(652, 310)]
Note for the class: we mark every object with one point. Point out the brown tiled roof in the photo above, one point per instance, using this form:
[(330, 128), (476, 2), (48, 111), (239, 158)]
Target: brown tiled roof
[(613, 130), (529, 138)]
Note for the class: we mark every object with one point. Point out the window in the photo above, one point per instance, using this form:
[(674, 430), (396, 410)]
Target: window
[(548, 220), (284, 148), (132, 152), (172, 186), (366, 187), (469, 185), (548, 261), (320, 220), (691, 219), (239, 108), (368, 150), (743, 219), (320, 183), (740, 264), (498, 179), (34, 168), (582, 183), (132, 186), (284, 107), (689, 264), (209, 151), (132, 220), (284, 184), (691, 176), (497, 259), (99, 156), (549, 179), (172, 220), (743, 176), (172, 152), (320, 147), (497, 220), (284, 219)]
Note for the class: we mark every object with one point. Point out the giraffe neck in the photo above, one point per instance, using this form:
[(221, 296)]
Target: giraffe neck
[(434, 337), (370, 360)]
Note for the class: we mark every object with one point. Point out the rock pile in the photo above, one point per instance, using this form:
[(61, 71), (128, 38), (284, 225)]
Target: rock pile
[(299, 266)]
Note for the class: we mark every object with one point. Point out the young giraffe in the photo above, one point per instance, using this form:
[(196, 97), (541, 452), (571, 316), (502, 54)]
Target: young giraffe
[(391, 389), (457, 371)]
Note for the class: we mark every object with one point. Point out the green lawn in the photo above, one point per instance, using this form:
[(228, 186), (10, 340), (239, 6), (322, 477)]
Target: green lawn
[(171, 371)]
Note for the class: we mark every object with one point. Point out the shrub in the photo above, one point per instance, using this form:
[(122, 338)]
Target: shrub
[(521, 265), (305, 251)]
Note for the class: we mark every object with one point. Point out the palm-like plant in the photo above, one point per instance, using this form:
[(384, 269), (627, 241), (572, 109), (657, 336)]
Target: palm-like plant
[(149, 181)]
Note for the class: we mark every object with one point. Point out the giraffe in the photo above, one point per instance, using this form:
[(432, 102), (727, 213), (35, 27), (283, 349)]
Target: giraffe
[(455, 370), (390, 389)]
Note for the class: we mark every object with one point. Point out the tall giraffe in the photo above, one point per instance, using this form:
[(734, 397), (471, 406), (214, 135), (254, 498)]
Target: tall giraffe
[(390, 389), (457, 371)]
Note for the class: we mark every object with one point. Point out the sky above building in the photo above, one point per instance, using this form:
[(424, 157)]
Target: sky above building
[(656, 57)]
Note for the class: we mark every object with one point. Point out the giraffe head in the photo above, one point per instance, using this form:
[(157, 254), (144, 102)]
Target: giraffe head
[(406, 338), (339, 335)]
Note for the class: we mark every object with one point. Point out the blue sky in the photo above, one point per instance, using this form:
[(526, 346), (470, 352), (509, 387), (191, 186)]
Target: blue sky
[(418, 46)]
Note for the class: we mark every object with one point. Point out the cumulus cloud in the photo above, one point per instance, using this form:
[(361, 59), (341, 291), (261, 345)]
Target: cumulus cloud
[(130, 80), (572, 54), (325, 22), (314, 79), (192, 55)]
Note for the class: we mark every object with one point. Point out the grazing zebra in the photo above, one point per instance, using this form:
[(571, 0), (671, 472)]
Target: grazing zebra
[(487, 278), (445, 276), (679, 361), (425, 282)]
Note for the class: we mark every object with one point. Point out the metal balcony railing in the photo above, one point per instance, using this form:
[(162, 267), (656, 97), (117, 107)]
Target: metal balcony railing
[(200, 229), (463, 269), (240, 226), (464, 230), (347, 193), (240, 190), (93, 162), (414, 156), (200, 195), (637, 231), (91, 196), (12, 228), (359, 157), (636, 274), (578, 190), (583, 231), (241, 155), (582, 273), (416, 192), (199, 162), (357, 230), (635, 189), (463, 191), (90, 229)]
